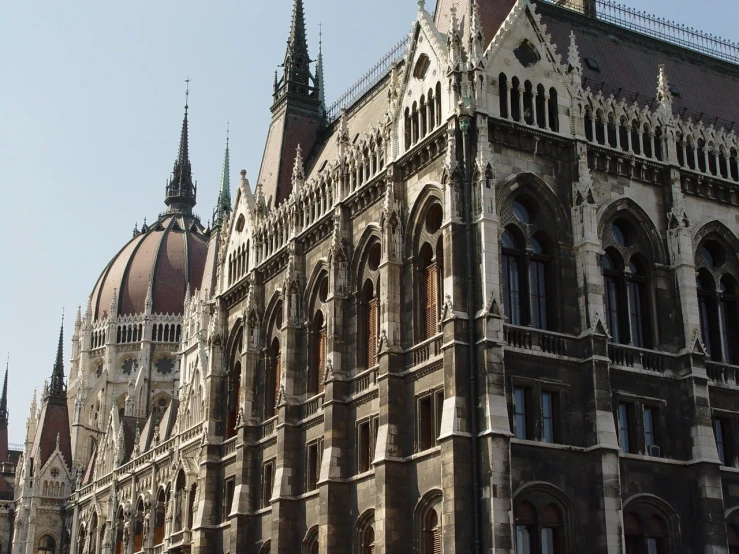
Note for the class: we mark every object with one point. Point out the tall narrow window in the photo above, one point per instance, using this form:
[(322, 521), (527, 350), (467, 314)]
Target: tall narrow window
[(707, 311), (312, 466), (503, 95), (426, 436), (613, 296), (729, 315), (274, 377), (318, 353), (268, 470), (537, 284), (525, 519), (234, 385), (429, 292), (718, 430), (624, 435), (371, 322), (548, 403), (227, 497), (649, 423), (520, 417), (363, 446), (553, 110), (512, 260), (636, 284), (432, 532)]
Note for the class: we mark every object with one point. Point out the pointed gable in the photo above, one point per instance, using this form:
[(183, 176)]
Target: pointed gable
[(492, 15), (53, 425)]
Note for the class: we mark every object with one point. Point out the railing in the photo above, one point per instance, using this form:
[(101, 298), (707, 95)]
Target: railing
[(158, 549), (268, 427), (367, 81), (659, 28), (365, 380), (639, 358), (536, 340), (724, 374), (228, 447), (424, 351), (313, 405)]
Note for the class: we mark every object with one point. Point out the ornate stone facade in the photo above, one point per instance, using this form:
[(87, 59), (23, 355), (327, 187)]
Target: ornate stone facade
[(468, 321)]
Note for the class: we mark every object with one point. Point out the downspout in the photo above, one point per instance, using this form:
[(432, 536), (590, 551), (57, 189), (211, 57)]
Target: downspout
[(464, 124)]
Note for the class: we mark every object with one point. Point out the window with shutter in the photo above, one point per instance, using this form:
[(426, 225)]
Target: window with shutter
[(372, 333), (430, 312), (321, 359), (277, 379)]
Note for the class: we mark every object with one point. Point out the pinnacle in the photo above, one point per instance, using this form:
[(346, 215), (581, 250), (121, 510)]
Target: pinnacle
[(180, 188), (56, 385)]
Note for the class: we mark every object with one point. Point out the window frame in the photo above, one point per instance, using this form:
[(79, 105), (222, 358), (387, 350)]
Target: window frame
[(432, 427), (268, 470), (534, 392)]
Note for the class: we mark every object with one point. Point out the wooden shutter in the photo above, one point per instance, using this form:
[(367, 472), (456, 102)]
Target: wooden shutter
[(430, 313), (278, 378), (551, 516), (320, 370), (372, 333), (436, 541)]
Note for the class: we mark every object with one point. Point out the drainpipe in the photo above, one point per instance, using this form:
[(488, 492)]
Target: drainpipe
[(464, 125)]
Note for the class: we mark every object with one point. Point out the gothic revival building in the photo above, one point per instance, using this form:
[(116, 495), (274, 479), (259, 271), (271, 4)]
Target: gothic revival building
[(488, 303)]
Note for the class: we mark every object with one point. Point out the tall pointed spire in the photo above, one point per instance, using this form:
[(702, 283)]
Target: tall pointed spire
[(297, 80), (181, 189), (56, 385), (223, 206), (4, 398), (319, 72)]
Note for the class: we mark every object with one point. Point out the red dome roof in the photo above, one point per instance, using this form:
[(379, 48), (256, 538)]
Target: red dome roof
[(169, 255)]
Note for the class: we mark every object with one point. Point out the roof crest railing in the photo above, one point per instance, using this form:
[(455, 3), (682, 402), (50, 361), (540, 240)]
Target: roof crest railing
[(659, 28), (367, 81)]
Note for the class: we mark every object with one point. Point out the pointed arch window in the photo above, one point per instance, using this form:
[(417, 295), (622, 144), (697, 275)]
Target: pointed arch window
[(525, 274), (539, 525), (318, 353), (46, 545), (138, 527), (645, 537), (718, 304), (159, 513), (274, 376), (732, 531)]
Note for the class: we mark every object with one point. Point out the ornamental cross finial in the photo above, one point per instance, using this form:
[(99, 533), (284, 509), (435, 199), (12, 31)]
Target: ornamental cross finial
[(187, 91)]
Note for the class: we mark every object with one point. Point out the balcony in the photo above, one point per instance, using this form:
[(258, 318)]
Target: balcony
[(425, 351), (640, 358), (538, 340), (723, 374), (313, 405), (268, 427)]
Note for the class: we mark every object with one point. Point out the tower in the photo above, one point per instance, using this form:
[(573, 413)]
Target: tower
[(297, 113)]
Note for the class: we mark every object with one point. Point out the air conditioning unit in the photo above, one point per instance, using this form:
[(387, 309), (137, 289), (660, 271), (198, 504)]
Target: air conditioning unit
[(654, 451)]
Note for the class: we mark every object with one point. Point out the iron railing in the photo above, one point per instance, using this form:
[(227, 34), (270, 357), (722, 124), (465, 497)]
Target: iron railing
[(367, 81), (659, 28)]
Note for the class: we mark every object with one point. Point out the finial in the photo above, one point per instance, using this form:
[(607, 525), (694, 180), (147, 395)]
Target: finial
[(228, 132), (320, 35), (421, 5), (187, 92)]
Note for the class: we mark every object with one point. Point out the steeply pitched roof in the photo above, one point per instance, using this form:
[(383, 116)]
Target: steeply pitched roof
[(629, 67)]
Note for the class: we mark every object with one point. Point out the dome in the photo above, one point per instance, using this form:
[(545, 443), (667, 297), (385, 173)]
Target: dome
[(167, 256)]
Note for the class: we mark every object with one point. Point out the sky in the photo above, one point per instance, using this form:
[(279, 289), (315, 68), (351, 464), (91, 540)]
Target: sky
[(91, 104)]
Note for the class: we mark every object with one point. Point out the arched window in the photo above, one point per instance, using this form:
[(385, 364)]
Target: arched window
[(718, 301), (46, 545), (539, 519), (368, 541), (407, 120), (432, 532), (625, 291), (541, 105), (159, 512), (138, 527), (310, 543), (119, 532), (701, 154), (600, 127), (589, 124), (645, 537), (516, 100), (635, 137), (525, 269), (429, 292), (191, 506), (623, 134), (318, 353), (528, 103), (612, 131), (438, 103), (274, 376), (733, 165)]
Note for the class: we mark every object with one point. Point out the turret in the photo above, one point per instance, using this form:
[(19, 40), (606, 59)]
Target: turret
[(223, 205)]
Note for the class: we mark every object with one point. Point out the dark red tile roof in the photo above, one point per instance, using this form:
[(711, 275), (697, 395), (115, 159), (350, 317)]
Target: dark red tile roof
[(169, 255), (53, 423)]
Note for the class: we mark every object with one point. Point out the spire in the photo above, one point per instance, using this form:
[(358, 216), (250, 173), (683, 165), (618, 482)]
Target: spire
[(319, 71), (181, 189), (56, 386), (4, 398), (297, 80), (223, 205)]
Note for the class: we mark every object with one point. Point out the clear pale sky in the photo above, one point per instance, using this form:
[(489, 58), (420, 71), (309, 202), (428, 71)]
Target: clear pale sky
[(91, 103)]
